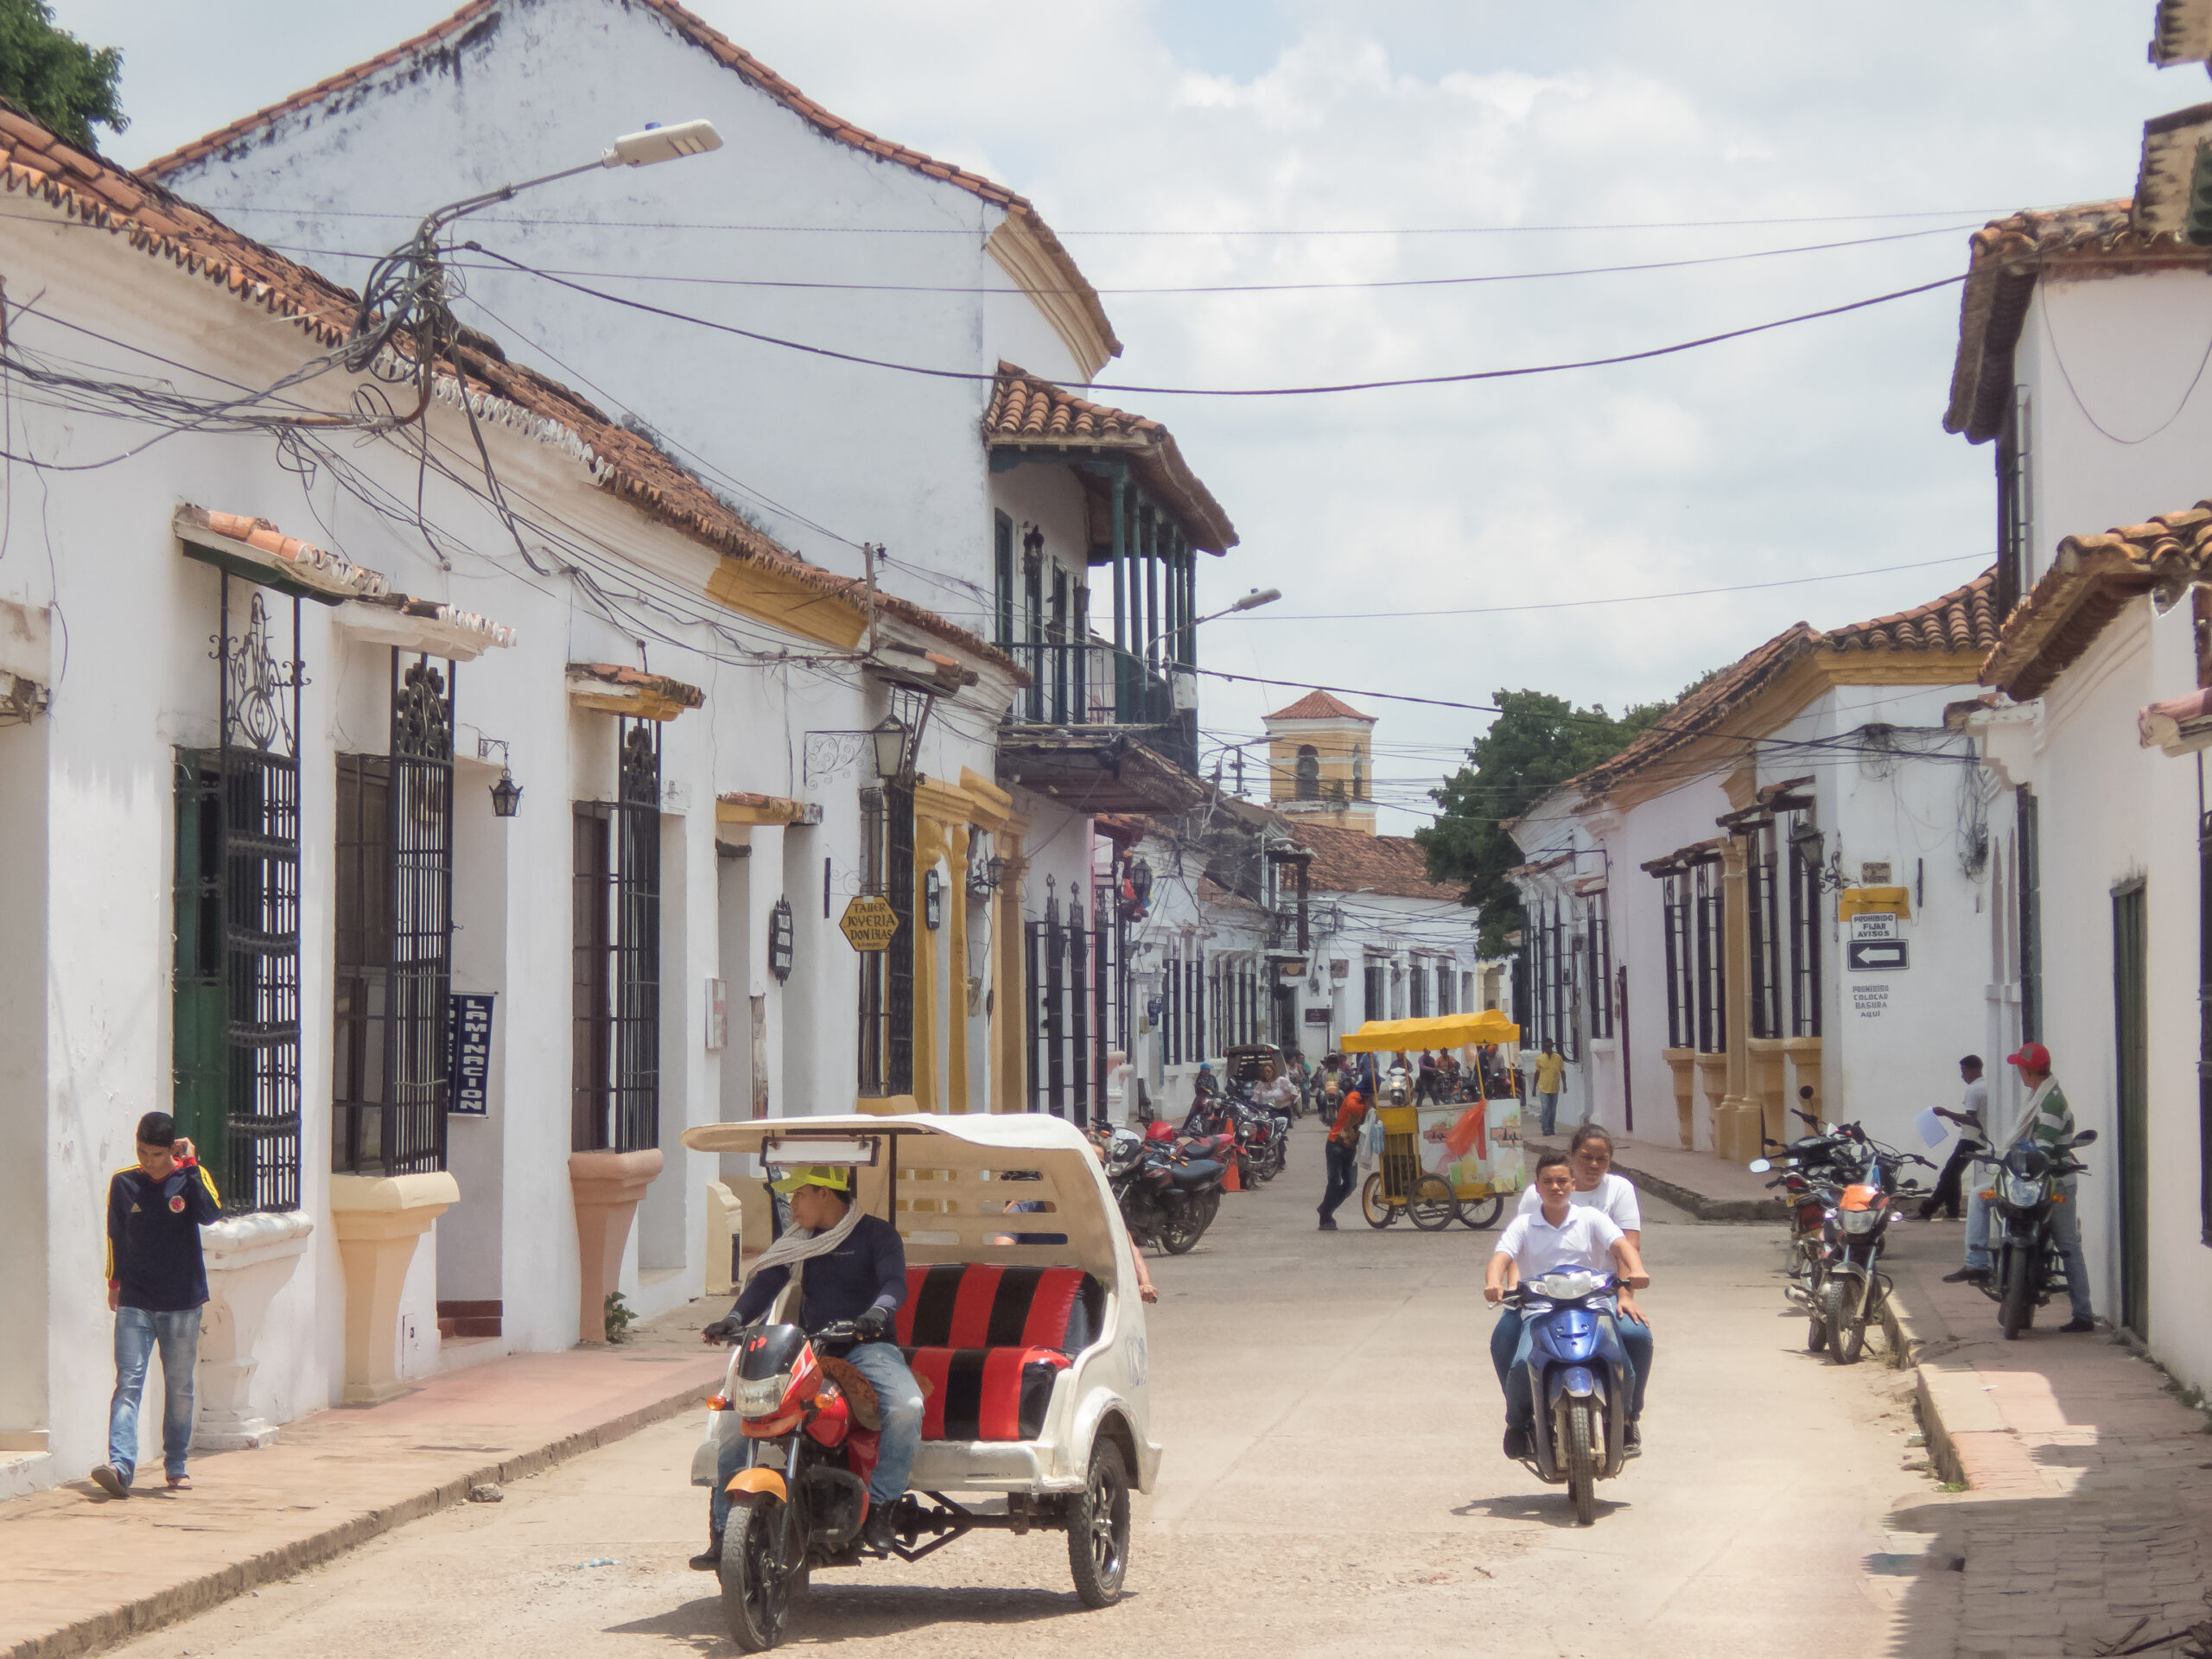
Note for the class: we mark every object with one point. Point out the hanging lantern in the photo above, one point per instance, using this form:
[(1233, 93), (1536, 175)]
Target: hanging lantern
[(506, 795)]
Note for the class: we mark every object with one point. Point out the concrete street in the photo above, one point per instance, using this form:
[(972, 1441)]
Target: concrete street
[(1333, 1485)]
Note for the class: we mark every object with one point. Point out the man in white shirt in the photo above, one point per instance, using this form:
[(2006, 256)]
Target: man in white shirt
[(1971, 1116), (1561, 1233)]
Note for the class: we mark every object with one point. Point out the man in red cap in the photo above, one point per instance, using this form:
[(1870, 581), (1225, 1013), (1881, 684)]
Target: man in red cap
[(2045, 1118)]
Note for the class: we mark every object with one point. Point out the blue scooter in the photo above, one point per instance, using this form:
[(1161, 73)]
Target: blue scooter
[(1581, 1379)]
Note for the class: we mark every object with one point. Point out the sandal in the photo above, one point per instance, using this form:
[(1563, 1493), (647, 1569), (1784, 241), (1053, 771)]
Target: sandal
[(180, 1482)]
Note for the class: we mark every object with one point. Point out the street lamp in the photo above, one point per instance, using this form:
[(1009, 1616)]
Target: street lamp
[(1251, 602), (890, 740), (506, 794)]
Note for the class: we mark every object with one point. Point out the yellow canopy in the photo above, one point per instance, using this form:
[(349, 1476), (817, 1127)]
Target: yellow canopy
[(1443, 1031)]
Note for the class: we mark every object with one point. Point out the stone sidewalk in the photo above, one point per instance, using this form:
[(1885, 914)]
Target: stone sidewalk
[(1709, 1187), (2087, 1507), (79, 1570)]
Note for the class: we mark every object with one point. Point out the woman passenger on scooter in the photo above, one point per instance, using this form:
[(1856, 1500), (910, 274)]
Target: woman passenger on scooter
[(1590, 1160), (1561, 1233)]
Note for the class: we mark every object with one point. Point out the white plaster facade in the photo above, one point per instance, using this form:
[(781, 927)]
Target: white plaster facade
[(88, 839)]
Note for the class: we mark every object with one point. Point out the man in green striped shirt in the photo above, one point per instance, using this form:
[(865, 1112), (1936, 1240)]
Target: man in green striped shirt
[(2046, 1119)]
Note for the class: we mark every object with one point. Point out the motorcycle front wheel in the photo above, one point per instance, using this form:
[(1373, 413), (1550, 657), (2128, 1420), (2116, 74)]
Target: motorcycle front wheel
[(1180, 1230), (1846, 1335), (2016, 1306), (1378, 1210), (756, 1583), (1579, 1448)]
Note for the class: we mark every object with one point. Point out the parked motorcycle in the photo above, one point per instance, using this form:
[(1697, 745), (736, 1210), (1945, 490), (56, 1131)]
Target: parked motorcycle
[(1856, 1185), (1166, 1198), (2023, 1192), (1813, 1170), (1581, 1380)]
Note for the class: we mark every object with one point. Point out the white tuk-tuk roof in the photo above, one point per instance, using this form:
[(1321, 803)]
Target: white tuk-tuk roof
[(945, 1182)]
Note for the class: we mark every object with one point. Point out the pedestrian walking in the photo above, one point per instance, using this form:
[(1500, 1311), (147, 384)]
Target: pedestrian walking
[(1551, 1073), (1426, 1081), (1343, 1157), (2044, 1117), (1972, 1117), (157, 1285)]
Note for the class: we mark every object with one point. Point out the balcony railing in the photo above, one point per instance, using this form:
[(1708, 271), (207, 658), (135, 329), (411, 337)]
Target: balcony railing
[(1091, 684)]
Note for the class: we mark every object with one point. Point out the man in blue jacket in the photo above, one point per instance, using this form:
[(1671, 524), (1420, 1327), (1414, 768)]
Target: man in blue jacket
[(156, 1284), (862, 1276)]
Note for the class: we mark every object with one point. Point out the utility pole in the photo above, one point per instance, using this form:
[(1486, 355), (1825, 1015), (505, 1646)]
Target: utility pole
[(1239, 772)]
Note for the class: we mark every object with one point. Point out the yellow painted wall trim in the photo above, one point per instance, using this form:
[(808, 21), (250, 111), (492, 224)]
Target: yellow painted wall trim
[(985, 791), (792, 606), (758, 809), (884, 1105)]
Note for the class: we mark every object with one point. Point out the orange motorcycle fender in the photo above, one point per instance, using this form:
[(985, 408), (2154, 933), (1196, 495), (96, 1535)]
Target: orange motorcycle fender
[(757, 1482)]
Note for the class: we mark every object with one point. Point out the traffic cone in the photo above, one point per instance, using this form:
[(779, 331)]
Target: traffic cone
[(1229, 1181)]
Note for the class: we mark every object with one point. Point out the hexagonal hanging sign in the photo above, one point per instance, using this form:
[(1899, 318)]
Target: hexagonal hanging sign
[(869, 922)]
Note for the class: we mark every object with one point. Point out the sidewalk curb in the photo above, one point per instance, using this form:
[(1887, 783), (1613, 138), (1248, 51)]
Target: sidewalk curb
[(1704, 1209), (178, 1601), (1905, 1349)]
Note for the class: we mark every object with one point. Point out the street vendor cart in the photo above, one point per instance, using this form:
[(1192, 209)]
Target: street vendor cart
[(1458, 1160)]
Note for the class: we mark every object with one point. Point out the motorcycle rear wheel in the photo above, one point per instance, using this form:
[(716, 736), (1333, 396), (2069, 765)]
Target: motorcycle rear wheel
[(1433, 1203), (2016, 1309), (1579, 1445), (1816, 1335), (756, 1586), (1378, 1210)]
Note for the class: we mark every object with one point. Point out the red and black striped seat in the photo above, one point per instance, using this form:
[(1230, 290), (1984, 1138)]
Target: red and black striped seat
[(985, 1343)]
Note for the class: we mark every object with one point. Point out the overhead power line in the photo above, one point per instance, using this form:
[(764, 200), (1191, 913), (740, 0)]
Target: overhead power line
[(1460, 378)]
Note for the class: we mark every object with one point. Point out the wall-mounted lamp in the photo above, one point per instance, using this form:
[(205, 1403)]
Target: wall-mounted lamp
[(985, 874), (1032, 551), (1808, 843), (890, 740), (506, 794)]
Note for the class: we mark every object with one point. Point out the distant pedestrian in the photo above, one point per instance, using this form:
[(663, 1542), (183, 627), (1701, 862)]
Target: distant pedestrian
[(1551, 1073), (1971, 1118), (157, 1285), (1427, 1084), (1343, 1157)]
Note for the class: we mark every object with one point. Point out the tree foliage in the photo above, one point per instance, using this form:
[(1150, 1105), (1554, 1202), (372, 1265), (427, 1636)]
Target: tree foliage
[(1537, 741), (55, 78)]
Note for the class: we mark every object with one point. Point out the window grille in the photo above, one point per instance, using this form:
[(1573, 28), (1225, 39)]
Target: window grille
[(616, 1062), (1805, 928), (1712, 988), (1419, 991), (391, 1038), (2030, 888), (1598, 952), (1675, 909), (886, 1012), (236, 1042), (1002, 569), (1764, 931)]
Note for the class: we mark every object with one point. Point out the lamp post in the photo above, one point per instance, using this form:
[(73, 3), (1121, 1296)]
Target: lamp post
[(889, 740), (1251, 602)]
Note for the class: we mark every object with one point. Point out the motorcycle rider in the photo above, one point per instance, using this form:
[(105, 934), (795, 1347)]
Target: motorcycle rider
[(1590, 1157), (851, 1266), (1561, 1234), (2046, 1119)]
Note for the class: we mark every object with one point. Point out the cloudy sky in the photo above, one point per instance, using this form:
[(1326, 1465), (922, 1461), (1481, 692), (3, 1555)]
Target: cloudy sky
[(1479, 139)]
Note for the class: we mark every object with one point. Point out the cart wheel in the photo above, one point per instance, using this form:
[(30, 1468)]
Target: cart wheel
[(1481, 1214), (1378, 1210), (1434, 1203)]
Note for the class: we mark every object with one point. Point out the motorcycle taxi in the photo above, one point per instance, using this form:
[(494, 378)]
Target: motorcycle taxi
[(1030, 1357)]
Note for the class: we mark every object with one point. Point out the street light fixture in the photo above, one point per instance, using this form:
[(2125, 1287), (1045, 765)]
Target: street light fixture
[(1251, 602), (890, 740)]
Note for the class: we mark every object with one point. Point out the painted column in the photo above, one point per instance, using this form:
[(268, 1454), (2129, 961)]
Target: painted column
[(956, 1000), (249, 1258), (1680, 1062), (1009, 984), (929, 849), (1734, 1129), (606, 1186)]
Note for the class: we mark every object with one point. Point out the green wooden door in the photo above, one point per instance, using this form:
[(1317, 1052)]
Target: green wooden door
[(2130, 1044)]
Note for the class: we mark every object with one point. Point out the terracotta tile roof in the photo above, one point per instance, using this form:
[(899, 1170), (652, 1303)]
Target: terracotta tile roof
[(37, 165), (480, 17), (1027, 413), (1963, 619), (2006, 258), (2182, 32), (2091, 581), (1349, 860), (1319, 705)]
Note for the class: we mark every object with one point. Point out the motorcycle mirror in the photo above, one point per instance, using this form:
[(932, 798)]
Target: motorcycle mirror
[(2085, 1137), (1760, 1165)]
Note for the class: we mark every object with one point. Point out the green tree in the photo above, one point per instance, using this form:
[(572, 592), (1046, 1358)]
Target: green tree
[(1537, 740), (55, 78)]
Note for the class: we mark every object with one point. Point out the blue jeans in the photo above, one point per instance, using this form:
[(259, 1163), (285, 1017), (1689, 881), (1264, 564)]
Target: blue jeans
[(1509, 1352), (1977, 1220), (1547, 1107), (898, 1397), (1344, 1175), (136, 1331)]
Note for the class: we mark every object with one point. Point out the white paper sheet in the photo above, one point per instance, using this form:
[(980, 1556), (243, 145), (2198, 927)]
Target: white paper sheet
[(1932, 1131)]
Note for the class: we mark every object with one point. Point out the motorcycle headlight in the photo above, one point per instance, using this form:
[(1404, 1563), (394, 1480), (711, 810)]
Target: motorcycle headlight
[(1859, 1221), (759, 1395), (2020, 1193)]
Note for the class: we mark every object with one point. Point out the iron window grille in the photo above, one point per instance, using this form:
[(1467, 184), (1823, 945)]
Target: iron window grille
[(886, 1021), (1598, 952), (1805, 926), (616, 1068), (391, 1029), (1681, 995), (1712, 964), (236, 989), (1763, 933), (2030, 892)]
